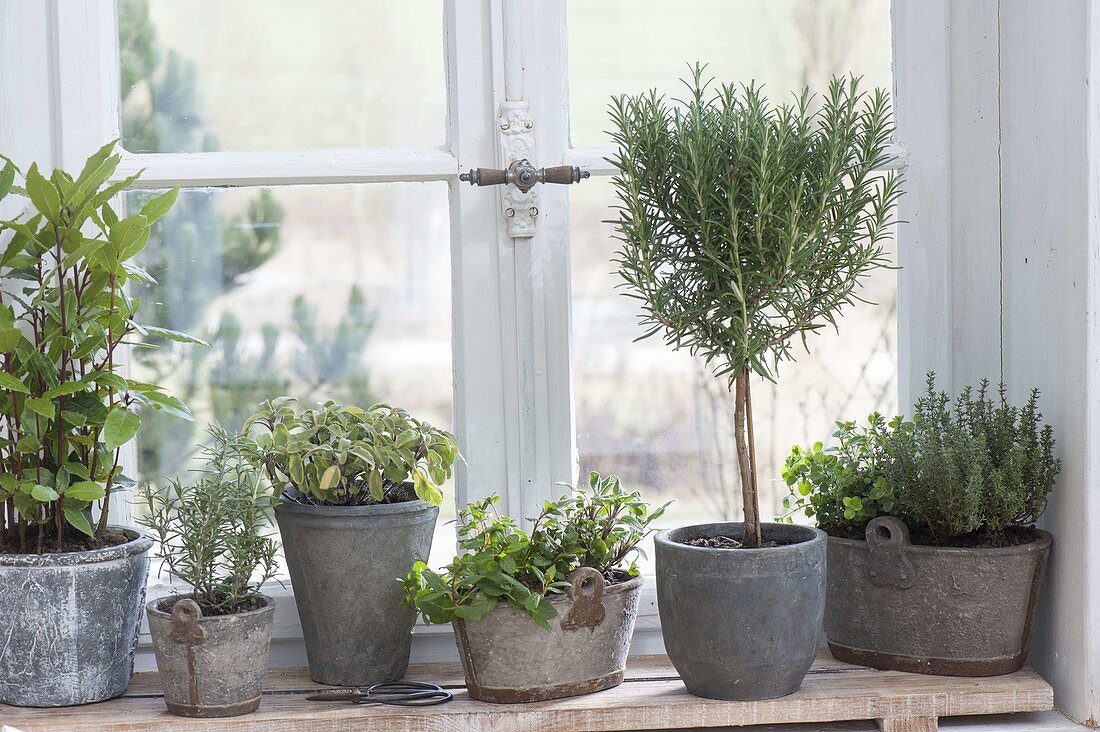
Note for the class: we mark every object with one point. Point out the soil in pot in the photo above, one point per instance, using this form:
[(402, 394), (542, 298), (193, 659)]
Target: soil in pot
[(959, 611), (211, 665), (507, 658), (71, 622), (741, 625)]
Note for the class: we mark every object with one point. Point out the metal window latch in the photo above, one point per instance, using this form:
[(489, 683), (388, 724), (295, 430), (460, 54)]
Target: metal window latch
[(524, 176)]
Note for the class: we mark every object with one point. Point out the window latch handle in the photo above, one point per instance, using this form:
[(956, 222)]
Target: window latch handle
[(524, 176)]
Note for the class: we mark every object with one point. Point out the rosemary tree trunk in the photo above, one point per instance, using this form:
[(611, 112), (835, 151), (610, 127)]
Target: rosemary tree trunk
[(746, 458)]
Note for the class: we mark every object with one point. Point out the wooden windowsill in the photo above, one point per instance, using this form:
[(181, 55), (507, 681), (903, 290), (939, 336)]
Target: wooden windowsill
[(651, 698)]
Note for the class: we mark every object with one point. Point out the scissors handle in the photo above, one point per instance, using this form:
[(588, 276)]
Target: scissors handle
[(406, 694)]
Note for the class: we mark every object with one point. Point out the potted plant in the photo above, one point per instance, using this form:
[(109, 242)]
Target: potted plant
[(547, 613), (359, 501), (211, 644), (745, 226), (934, 561), (73, 584)]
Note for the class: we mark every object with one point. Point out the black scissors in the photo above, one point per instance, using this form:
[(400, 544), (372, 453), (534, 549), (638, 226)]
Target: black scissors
[(397, 693)]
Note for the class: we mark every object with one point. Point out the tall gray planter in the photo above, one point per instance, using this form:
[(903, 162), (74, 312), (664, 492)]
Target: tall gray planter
[(928, 609), (70, 623), (344, 564), (210, 666), (741, 624)]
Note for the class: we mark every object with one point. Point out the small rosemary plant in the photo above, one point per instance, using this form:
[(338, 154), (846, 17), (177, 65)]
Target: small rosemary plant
[(745, 225), (214, 532)]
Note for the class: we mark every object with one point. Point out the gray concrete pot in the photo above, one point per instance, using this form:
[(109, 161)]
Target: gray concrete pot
[(933, 610), (344, 563), (70, 623), (210, 666), (507, 658), (741, 624)]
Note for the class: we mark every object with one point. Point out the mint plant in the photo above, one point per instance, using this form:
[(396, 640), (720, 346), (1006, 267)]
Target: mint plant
[(65, 317), (746, 225), (347, 456), (214, 532), (498, 561)]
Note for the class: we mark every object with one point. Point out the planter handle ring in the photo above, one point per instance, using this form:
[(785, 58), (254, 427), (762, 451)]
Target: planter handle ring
[(186, 615), (586, 591), (887, 545)]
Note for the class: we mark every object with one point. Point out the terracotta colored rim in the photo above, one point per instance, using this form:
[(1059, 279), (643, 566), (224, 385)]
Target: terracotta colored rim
[(223, 710), (1041, 542), (378, 509), (937, 666), (153, 608), (139, 543)]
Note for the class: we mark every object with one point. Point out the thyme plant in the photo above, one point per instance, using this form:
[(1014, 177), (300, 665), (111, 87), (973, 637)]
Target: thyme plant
[(65, 317), (745, 225), (214, 532)]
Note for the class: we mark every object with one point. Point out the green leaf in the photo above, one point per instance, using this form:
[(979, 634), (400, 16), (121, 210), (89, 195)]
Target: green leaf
[(120, 427), (9, 382), (169, 405), (43, 194), (41, 406), (159, 206), (69, 387), (85, 490), (330, 478), (81, 520), (425, 489), (173, 335), (374, 484), (7, 178), (43, 493)]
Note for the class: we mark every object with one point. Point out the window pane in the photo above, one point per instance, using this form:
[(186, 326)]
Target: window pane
[(629, 46), (280, 74), (664, 424), (317, 292)]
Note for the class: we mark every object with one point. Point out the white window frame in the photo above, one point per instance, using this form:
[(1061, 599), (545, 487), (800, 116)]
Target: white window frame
[(511, 299)]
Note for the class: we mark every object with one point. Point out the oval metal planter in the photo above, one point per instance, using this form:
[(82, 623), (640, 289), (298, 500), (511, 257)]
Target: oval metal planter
[(344, 562), (210, 666), (741, 624), (70, 623), (508, 659), (934, 610)]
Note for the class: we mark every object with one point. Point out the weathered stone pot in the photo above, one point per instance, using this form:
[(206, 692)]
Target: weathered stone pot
[(344, 564), (210, 666), (70, 623), (933, 610), (507, 658), (741, 624)]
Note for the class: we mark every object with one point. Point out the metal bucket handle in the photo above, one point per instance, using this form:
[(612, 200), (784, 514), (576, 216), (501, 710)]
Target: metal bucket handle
[(186, 630), (586, 590), (887, 545)]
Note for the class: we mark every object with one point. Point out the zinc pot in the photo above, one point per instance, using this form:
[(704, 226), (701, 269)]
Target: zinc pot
[(210, 666), (344, 563), (928, 609), (507, 658), (70, 623), (741, 624)]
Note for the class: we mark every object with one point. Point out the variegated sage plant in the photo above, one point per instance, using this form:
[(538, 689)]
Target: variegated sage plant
[(65, 408), (347, 456), (745, 225)]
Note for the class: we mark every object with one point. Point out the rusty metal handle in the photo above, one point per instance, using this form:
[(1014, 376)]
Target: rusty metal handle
[(887, 562), (563, 174), (186, 615), (524, 176), (586, 591)]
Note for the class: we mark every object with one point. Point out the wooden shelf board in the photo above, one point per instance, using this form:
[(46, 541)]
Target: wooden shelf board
[(651, 698)]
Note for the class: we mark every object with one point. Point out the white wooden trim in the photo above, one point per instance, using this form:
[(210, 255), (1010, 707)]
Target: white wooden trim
[(162, 170)]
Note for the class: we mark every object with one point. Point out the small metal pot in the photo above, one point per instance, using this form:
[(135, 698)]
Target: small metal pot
[(344, 563), (210, 666), (508, 659), (741, 624), (929, 609), (70, 623)]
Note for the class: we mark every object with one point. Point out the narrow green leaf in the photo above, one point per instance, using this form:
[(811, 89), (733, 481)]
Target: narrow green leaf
[(120, 427), (43, 493), (9, 382), (159, 206), (85, 490), (43, 194), (81, 520), (41, 406)]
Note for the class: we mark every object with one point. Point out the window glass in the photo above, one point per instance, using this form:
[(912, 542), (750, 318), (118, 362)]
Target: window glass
[(629, 46), (210, 75), (319, 292)]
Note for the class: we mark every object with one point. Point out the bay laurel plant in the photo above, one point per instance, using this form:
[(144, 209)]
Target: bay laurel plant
[(745, 225), (347, 456), (974, 472), (500, 562), (214, 532), (65, 317)]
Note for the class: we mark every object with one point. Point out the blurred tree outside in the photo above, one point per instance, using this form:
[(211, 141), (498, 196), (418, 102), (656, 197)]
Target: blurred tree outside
[(197, 254)]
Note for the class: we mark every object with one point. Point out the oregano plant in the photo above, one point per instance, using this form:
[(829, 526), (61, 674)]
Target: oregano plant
[(745, 225), (65, 317)]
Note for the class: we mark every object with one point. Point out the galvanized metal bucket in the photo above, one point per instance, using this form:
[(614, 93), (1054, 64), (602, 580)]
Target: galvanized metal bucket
[(70, 623), (508, 659), (210, 666), (891, 604)]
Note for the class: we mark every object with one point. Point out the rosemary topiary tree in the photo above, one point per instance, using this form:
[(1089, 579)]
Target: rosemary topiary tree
[(745, 225)]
